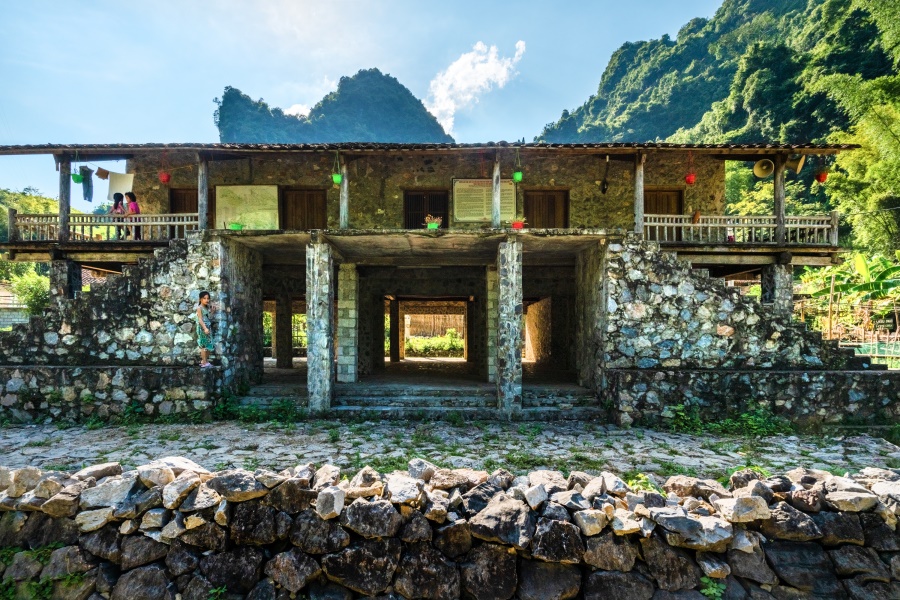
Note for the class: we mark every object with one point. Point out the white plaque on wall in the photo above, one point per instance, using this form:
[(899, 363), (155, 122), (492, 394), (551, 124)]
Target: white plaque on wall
[(472, 200)]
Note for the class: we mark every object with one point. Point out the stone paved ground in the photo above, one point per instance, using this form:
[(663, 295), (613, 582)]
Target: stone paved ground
[(386, 445)]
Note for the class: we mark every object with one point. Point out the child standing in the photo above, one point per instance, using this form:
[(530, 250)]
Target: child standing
[(204, 335)]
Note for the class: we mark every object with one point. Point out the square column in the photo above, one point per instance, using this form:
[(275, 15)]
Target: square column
[(509, 326), (319, 319), (493, 291), (283, 336), (348, 324), (777, 283), (65, 279)]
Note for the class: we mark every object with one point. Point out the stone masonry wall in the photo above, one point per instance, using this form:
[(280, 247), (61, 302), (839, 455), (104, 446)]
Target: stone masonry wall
[(172, 529), (377, 183)]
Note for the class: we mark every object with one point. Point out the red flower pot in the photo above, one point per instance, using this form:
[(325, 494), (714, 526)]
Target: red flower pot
[(518, 224)]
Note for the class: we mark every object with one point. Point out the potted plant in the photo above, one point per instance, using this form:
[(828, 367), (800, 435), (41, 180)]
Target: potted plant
[(433, 222), (236, 226), (518, 222)]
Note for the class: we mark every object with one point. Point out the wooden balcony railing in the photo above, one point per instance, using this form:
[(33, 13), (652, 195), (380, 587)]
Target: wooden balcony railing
[(819, 230), (100, 228)]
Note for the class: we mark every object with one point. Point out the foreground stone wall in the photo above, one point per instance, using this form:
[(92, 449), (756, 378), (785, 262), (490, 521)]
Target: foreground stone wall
[(172, 527)]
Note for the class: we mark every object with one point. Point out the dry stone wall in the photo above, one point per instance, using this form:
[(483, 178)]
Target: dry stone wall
[(173, 529)]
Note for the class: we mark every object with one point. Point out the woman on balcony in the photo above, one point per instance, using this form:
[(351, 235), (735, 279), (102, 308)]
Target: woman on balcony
[(118, 210), (133, 209)]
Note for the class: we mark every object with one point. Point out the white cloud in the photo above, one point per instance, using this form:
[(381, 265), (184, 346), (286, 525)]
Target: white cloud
[(469, 77), (300, 110)]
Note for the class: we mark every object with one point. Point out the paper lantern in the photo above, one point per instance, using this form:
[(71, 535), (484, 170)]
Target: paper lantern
[(165, 177), (821, 176), (690, 178), (517, 176)]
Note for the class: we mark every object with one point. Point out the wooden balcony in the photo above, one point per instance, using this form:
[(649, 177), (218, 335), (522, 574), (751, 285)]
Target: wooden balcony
[(746, 230)]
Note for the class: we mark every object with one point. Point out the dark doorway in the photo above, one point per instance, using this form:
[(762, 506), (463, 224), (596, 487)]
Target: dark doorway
[(547, 209), (302, 210), (418, 204), (184, 201)]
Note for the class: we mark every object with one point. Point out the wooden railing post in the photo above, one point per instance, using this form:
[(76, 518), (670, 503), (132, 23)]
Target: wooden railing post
[(203, 193), (65, 197), (835, 222), (12, 232)]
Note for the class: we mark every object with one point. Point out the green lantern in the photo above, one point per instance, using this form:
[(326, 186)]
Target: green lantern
[(337, 178), (517, 173)]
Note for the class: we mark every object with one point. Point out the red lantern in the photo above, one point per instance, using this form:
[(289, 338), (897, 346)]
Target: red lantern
[(821, 176), (165, 177), (690, 178)]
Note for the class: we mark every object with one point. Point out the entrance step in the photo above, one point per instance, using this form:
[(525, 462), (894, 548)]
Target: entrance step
[(563, 398), (468, 414), (264, 395)]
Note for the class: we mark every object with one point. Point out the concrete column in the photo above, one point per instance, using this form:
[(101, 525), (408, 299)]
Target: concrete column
[(283, 336), (401, 333), (65, 279), (395, 330), (65, 197), (509, 326), (778, 288), (319, 321), (348, 324), (492, 293)]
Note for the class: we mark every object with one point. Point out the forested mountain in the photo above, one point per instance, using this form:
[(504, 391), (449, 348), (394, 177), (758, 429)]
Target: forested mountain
[(747, 74), (368, 107)]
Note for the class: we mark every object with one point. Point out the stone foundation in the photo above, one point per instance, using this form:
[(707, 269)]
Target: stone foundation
[(173, 528)]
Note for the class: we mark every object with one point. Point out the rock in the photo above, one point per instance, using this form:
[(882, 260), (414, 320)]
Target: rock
[(595, 487), (489, 572), (283, 524), (372, 519), (176, 526), (366, 477), (624, 522), (105, 543), (146, 583), (853, 560), (415, 527), (454, 539), (51, 484), (176, 491), (610, 552), (476, 499), (238, 570), (436, 507), (330, 502), (70, 560), (859, 589), (571, 500), (91, 520), (843, 484), (181, 559), (139, 550), (423, 572), (743, 509), (602, 585), (445, 479), (209, 537), (742, 478), (557, 541), (305, 473), (327, 591), (253, 524), (23, 480), (712, 565), (673, 568), (614, 484), (199, 588), (808, 477), (292, 496), (100, 471), (65, 502), (237, 485), (579, 479), (421, 469), (222, 515), (366, 567), (403, 489), (803, 565), (109, 493), (505, 521), (591, 521), (839, 528), (326, 476), (268, 478), (745, 541), (553, 481), (788, 523), (878, 535), (179, 464), (153, 475), (548, 581), (751, 565), (139, 502), (314, 535), (502, 478), (755, 488), (201, 498), (292, 570), (536, 495), (811, 500), (851, 501), (473, 476), (155, 518), (552, 510), (41, 530), (691, 486)]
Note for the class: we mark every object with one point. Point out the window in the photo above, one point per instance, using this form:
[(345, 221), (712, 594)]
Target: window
[(302, 210), (418, 204), (547, 209), (185, 201)]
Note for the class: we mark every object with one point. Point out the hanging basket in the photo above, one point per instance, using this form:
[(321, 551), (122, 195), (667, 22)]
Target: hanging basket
[(337, 178), (77, 178), (517, 176)]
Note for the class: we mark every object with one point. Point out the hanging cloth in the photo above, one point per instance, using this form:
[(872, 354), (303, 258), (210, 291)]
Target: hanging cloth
[(102, 173), (87, 183), (119, 182)]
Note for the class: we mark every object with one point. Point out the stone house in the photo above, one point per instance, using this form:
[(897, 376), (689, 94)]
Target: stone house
[(615, 283)]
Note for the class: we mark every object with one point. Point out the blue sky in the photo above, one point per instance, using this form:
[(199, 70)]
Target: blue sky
[(141, 71)]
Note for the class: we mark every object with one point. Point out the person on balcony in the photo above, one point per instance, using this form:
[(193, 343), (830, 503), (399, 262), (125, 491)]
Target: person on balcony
[(133, 209), (118, 210)]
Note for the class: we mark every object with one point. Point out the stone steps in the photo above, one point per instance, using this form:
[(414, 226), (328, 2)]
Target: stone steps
[(467, 413), (558, 399), (413, 401)]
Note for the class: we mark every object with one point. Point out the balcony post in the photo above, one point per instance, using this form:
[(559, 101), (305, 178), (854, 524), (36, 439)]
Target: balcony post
[(203, 194), (12, 234), (345, 196), (65, 196), (639, 160), (495, 194), (835, 223), (779, 199)]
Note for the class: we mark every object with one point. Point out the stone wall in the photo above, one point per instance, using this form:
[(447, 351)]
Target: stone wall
[(12, 315), (377, 182), (173, 528)]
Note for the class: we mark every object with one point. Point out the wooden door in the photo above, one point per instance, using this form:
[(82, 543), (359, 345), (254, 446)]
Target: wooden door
[(547, 210), (418, 204), (185, 201), (303, 210), (664, 202)]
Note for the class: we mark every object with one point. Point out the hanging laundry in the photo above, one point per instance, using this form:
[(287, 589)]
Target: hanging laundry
[(119, 182), (87, 183), (102, 173)]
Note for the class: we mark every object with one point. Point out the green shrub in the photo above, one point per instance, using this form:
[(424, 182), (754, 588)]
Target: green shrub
[(33, 290)]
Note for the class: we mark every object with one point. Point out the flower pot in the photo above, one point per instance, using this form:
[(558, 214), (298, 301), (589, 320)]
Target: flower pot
[(433, 225), (518, 224), (235, 226)]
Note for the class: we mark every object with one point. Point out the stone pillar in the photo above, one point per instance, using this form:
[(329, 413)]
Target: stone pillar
[(283, 336), (65, 279), (348, 324), (377, 302), (493, 289), (395, 330), (509, 326), (319, 321), (778, 288), (401, 333)]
